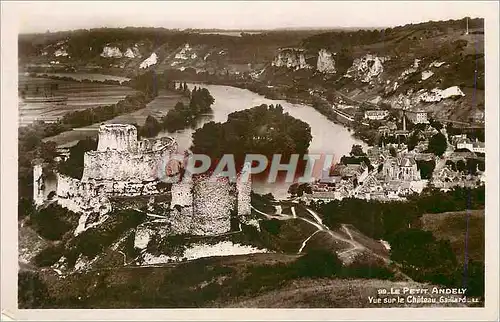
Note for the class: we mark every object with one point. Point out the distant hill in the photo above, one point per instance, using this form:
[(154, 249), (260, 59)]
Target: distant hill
[(366, 65)]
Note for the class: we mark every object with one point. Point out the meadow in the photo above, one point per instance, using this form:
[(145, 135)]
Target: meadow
[(80, 96)]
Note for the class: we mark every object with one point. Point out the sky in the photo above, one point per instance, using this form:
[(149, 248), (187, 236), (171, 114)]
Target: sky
[(41, 16)]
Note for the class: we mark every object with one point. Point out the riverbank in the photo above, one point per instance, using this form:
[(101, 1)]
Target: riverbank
[(310, 98)]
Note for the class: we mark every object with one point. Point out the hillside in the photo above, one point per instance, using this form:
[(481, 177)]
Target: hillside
[(434, 66), (452, 226), (258, 280)]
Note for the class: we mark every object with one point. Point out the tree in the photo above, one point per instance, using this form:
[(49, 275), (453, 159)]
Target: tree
[(426, 168), (357, 151), (436, 124), (392, 151), (413, 141), (472, 165), (318, 263), (461, 166), (297, 189), (151, 127), (438, 144), (423, 257)]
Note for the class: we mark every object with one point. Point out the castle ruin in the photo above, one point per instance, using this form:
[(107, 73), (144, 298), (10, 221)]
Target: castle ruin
[(123, 166)]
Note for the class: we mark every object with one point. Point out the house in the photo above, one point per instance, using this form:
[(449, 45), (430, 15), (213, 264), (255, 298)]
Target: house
[(478, 116), (350, 172), (478, 147), (417, 117), (424, 157), (376, 114), (454, 138), (396, 188), (377, 155), (384, 130), (465, 143), (356, 171), (392, 126)]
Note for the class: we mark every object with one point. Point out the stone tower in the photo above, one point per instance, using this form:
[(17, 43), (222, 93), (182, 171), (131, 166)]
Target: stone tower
[(38, 184), (118, 137)]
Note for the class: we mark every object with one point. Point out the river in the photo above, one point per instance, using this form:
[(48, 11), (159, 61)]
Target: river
[(327, 137)]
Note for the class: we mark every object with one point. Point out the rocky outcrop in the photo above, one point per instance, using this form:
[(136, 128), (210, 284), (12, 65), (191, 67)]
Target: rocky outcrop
[(292, 58), (436, 94), (150, 61), (186, 53), (132, 52), (366, 68), (111, 52), (411, 98), (200, 250), (326, 63), (427, 74)]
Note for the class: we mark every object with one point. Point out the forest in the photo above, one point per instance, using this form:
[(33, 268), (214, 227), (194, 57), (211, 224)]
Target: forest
[(263, 129)]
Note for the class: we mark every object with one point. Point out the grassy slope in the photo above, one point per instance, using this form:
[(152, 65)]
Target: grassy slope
[(452, 226), (327, 293), (211, 282)]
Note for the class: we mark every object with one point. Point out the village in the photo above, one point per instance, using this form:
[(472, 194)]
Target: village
[(420, 153)]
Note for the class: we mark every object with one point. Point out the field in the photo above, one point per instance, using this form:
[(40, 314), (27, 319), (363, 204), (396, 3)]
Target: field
[(88, 76), (79, 96), (159, 107), (452, 226)]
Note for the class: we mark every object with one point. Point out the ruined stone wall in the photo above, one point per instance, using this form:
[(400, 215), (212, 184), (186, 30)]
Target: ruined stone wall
[(38, 195), (80, 196), (243, 190), (124, 166), (77, 196), (118, 137), (126, 188), (182, 194)]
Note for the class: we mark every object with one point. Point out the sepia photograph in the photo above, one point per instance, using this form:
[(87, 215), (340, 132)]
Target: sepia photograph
[(251, 155)]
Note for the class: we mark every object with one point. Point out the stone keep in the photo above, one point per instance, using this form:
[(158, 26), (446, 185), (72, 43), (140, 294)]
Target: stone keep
[(121, 157), (117, 137)]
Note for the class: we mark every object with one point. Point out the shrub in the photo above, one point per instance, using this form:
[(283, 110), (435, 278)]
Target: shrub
[(272, 226), (48, 256), (365, 267), (318, 263), (53, 222)]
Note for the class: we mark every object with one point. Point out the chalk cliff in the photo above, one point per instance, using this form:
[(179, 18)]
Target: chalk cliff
[(293, 58), (326, 63), (366, 68)]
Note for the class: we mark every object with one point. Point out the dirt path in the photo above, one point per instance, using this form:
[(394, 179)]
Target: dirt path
[(320, 228), (356, 246)]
